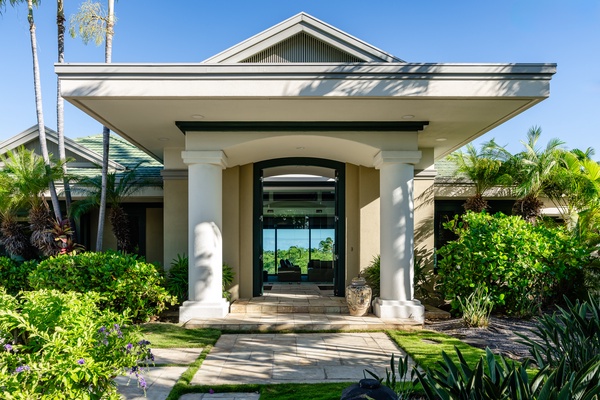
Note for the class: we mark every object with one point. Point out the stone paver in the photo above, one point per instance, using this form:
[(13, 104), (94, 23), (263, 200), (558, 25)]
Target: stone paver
[(160, 381), (296, 357), (179, 356)]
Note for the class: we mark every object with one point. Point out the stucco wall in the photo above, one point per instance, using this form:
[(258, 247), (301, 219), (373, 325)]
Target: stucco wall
[(369, 215), (362, 218), (175, 219), (352, 222), (231, 224), (424, 219)]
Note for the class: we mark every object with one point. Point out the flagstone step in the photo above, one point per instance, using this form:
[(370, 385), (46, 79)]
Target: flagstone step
[(250, 306)]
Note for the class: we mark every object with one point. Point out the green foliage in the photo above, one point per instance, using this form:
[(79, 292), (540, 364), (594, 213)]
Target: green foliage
[(521, 266), (125, 282), (372, 275), (297, 255), (477, 308), (571, 336), (13, 274), (403, 390), (62, 346), (495, 378), (177, 278), (482, 168), (490, 378), (228, 276), (30, 175)]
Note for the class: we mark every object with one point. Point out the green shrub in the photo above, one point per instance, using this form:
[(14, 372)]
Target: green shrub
[(125, 282), (177, 278), (13, 274), (522, 266), (62, 346), (494, 378), (228, 276), (372, 275), (572, 334), (477, 308)]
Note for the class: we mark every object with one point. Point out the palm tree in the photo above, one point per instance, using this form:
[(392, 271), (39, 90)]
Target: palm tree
[(60, 108), (93, 24), (15, 241), (38, 97), (120, 186), (532, 170), (30, 177), (483, 168)]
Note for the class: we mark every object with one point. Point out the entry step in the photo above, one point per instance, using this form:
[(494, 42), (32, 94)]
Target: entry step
[(331, 305)]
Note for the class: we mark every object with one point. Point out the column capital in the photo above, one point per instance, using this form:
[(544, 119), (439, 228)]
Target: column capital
[(215, 157), (396, 157)]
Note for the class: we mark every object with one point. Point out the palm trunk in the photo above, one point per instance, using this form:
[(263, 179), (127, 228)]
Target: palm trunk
[(105, 132), (38, 106), (60, 108)]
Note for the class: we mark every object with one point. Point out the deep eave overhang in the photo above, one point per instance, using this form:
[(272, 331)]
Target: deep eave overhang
[(173, 92)]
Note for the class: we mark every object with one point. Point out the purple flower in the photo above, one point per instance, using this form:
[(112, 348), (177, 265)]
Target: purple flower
[(143, 383), (129, 347), (102, 330), (81, 361), (211, 391), (8, 347), (22, 368), (143, 342)]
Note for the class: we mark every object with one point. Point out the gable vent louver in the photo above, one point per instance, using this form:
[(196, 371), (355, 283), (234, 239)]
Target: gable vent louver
[(301, 48)]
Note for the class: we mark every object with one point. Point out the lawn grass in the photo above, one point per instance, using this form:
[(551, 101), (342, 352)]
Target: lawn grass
[(426, 347), (163, 335)]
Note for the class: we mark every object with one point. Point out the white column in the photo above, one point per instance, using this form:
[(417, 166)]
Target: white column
[(205, 243), (396, 173)]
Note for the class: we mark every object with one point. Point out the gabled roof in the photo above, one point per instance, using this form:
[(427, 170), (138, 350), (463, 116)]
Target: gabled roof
[(83, 156), (333, 45), (126, 153)]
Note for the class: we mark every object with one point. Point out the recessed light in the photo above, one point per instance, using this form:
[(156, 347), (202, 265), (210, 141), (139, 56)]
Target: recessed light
[(163, 139), (198, 116), (300, 148), (408, 116), (441, 139)]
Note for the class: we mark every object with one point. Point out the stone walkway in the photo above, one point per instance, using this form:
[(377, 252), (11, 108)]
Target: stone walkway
[(267, 358), (296, 358), (160, 378)]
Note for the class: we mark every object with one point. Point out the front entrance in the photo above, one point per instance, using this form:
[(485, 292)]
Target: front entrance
[(299, 224)]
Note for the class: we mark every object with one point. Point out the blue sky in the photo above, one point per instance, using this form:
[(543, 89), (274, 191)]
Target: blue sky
[(562, 32)]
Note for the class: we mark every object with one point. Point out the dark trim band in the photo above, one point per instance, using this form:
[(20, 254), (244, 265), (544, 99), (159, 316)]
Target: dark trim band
[(301, 126)]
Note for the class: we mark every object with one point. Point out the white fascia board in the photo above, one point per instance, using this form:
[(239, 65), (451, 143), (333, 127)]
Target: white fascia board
[(311, 25), (32, 134), (305, 80)]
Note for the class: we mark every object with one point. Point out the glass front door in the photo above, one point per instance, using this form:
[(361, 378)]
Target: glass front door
[(297, 213)]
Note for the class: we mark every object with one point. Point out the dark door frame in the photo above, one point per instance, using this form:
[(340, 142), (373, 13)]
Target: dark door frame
[(339, 273)]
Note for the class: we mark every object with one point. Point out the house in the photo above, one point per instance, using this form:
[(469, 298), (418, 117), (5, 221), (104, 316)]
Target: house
[(144, 208), (301, 129)]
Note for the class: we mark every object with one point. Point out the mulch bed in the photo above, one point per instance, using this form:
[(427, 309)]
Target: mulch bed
[(500, 336)]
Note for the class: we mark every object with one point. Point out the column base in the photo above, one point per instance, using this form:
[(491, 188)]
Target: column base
[(403, 309), (203, 310)]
